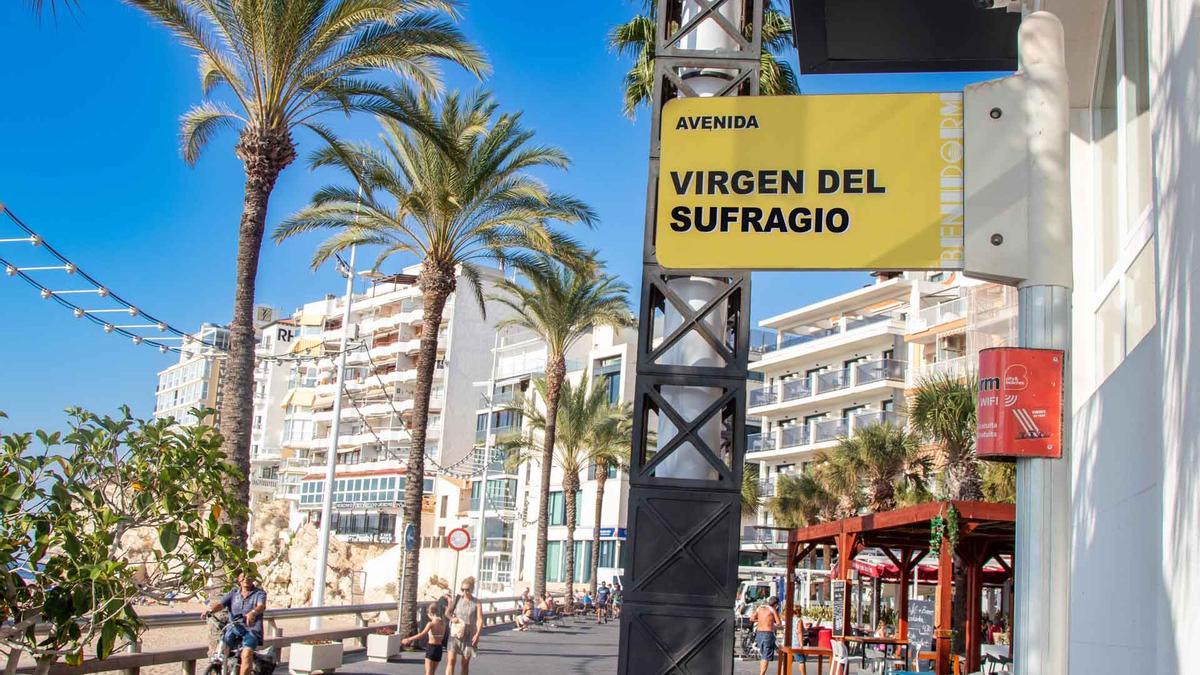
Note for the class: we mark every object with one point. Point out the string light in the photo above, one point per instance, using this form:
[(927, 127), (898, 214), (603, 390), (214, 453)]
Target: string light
[(116, 304)]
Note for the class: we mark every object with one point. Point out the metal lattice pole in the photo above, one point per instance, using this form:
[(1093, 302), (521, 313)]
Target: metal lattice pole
[(689, 417)]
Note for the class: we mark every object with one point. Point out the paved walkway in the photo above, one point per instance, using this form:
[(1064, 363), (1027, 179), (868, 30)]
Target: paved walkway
[(571, 649)]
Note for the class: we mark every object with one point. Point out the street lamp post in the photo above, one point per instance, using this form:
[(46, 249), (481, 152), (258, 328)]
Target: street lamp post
[(322, 562)]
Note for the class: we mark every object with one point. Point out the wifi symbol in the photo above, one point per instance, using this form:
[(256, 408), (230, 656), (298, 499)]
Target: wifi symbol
[(1009, 400)]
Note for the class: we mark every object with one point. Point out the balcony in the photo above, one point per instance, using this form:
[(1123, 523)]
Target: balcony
[(803, 436), (787, 340), (760, 442), (820, 384), (497, 463), (495, 502), (503, 433), (763, 536), (931, 317), (766, 488), (960, 367)]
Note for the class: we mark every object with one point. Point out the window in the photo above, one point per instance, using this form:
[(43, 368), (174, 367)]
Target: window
[(557, 509), (445, 506), (610, 551), (1125, 303), (556, 566), (608, 371), (583, 562)]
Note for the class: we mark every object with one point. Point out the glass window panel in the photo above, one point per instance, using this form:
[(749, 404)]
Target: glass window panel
[(583, 562), (1141, 302), (1137, 114), (1104, 127), (558, 509), (1110, 329), (554, 561)]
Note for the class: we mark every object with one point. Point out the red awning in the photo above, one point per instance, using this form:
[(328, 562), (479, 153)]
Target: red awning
[(993, 574)]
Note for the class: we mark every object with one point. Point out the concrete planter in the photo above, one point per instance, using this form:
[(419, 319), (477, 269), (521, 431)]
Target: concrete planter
[(381, 648), (320, 658)]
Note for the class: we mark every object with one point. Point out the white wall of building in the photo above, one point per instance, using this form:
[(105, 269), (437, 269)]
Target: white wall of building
[(1135, 572)]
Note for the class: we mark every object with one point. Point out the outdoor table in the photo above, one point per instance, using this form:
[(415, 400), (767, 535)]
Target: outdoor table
[(789, 652), (865, 640)]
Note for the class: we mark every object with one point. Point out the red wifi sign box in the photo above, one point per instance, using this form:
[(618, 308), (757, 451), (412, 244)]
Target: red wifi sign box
[(1020, 405)]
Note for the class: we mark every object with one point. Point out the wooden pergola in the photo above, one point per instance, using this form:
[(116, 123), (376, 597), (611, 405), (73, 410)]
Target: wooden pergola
[(985, 533)]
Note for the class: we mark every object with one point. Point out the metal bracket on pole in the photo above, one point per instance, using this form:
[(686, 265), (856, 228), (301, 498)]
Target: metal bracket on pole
[(1017, 214)]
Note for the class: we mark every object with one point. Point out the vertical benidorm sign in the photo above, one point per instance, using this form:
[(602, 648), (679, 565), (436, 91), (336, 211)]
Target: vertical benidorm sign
[(812, 182), (1020, 406)]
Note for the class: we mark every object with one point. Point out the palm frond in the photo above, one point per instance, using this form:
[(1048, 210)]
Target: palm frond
[(200, 124)]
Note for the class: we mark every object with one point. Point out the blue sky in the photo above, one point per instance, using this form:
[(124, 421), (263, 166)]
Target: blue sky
[(91, 161)]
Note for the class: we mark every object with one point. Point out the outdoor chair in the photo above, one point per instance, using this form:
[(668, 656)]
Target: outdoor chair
[(841, 658)]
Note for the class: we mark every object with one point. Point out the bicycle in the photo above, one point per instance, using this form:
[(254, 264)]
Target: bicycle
[(222, 662)]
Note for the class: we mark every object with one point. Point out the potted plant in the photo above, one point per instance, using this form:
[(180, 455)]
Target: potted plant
[(315, 656), (383, 644)]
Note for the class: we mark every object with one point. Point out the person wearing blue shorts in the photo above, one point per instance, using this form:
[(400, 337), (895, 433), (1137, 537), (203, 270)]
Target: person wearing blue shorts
[(245, 605), (766, 620)]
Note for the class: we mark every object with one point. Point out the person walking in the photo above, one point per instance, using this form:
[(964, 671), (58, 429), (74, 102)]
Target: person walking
[(602, 595), (435, 634), (466, 620), (766, 620)]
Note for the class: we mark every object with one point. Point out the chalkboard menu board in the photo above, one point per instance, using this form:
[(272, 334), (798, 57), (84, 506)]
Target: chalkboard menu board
[(839, 606), (920, 623)]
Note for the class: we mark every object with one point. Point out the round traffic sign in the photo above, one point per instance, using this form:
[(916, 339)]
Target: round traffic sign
[(458, 539)]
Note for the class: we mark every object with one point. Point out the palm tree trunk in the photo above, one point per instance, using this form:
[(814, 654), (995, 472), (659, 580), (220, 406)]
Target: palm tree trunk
[(264, 155), (571, 496), (601, 479), (436, 284), (556, 370)]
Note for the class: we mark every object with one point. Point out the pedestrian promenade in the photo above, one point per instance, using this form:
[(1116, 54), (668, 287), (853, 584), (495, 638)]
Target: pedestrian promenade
[(571, 649)]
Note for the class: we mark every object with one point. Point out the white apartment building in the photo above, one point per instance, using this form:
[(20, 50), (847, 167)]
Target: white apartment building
[(512, 504), (270, 387), (839, 364), (833, 366), (377, 402), (194, 380)]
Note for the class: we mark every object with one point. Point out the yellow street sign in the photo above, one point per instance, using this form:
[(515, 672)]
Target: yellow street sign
[(812, 182)]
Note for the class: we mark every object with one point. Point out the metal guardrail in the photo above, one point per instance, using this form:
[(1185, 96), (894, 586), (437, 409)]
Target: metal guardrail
[(187, 656)]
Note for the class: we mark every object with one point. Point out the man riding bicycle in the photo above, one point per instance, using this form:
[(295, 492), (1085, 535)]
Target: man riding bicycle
[(245, 605)]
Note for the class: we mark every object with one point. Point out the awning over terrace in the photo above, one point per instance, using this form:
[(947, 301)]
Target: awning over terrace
[(984, 538)]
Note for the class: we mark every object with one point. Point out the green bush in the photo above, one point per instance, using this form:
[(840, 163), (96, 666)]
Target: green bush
[(76, 511)]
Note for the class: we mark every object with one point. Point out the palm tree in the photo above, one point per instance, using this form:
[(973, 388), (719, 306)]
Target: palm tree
[(751, 496), (839, 477), (560, 305), (583, 407), (636, 38), (801, 500), (284, 65), (886, 458), (999, 482), (451, 198), (608, 447), (942, 409)]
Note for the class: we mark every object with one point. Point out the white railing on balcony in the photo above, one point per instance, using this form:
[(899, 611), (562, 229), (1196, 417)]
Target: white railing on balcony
[(760, 442), (820, 431), (763, 344), (957, 367), (937, 315), (866, 372)]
